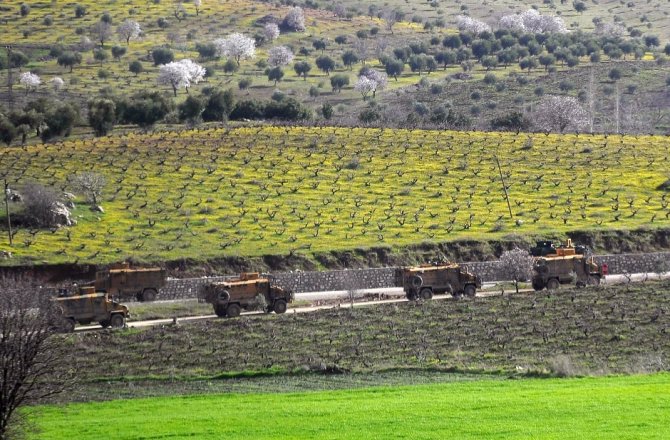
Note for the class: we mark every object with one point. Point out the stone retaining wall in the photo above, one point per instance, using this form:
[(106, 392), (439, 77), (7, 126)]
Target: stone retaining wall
[(384, 277)]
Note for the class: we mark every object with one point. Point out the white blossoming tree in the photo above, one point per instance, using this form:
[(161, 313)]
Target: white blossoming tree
[(295, 19), (512, 22), (280, 56), (128, 30), (371, 80), (178, 74), (271, 31), (197, 4), (30, 81), (364, 86), (57, 83), (560, 114), (468, 24), (237, 46), (537, 23)]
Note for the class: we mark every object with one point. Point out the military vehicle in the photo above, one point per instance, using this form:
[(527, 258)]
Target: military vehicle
[(425, 280), (123, 282), (85, 306), (564, 265), (249, 291)]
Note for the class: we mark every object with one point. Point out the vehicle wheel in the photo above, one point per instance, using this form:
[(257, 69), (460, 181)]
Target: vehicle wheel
[(224, 295), (470, 291), (67, 325), (426, 294), (220, 311), (104, 324), (553, 284), (117, 321), (593, 280), (149, 295), (411, 295), (280, 306), (233, 310), (538, 285), (416, 281)]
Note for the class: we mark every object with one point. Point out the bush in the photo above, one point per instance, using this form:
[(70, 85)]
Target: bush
[(191, 110), (101, 115), (288, 109), (248, 109), (220, 103), (38, 202), (79, 11), (327, 110), (514, 121), (244, 83), (144, 109), (162, 55)]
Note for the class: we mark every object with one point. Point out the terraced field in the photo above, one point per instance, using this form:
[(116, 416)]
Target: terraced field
[(280, 190)]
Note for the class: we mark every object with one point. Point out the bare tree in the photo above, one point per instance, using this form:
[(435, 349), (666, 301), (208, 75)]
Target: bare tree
[(90, 184), (102, 31), (32, 361), (517, 264)]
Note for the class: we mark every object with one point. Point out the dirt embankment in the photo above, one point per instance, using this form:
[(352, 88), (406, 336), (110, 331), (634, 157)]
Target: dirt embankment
[(601, 242)]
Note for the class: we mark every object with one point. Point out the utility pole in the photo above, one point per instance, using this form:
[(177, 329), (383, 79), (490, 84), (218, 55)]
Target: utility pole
[(9, 78), (617, 108), (9, 220), (504, 187)]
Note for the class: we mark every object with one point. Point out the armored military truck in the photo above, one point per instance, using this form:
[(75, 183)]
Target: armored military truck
[(566, 264), (123, 282), (85, 305), (249, 291), (425, 280)]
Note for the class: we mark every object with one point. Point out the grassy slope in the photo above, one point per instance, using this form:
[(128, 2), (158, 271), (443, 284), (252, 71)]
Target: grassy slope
[(222, 17), (258, 191), (595, 408)]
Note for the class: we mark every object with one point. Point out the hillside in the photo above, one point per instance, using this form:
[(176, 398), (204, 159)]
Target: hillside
[(254, 191)]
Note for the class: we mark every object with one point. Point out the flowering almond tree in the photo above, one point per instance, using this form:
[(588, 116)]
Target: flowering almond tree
[(271, 31), (237, 46), (30, 81), (295, 19), (178, 74), (280, 56), (370, 81), (467, 24), (560, 113), (57, 83), (128, 30)]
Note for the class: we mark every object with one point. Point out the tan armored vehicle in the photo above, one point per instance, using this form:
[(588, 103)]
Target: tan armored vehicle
[(249, 291), (564, 265), (123, 282), (425, 280), (86, 306)]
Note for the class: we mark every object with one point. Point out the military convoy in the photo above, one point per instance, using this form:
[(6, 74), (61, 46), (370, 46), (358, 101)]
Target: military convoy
[(426, 280), (567, 264), (93, 302), (249, 291), (124, 282), (85, 305)]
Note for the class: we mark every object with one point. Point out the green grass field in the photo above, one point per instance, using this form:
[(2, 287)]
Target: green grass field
[(634, 407), (254, 191)]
